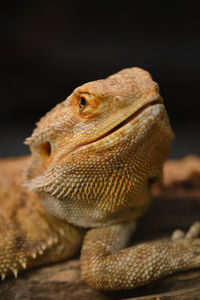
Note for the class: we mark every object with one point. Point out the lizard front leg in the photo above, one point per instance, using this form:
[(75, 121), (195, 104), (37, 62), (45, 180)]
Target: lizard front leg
[(36, 240), (106, 267), (29, 236)]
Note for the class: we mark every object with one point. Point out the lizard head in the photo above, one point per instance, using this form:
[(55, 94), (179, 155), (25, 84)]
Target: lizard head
[(93, 154)]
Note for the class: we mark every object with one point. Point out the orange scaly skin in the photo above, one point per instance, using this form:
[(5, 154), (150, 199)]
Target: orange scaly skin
[(92, 158)]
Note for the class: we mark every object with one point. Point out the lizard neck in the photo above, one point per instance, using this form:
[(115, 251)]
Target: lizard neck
[(108, 190)]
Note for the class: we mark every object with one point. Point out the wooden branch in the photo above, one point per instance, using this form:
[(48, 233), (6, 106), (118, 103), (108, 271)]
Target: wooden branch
[(177, 205), (181, 178)]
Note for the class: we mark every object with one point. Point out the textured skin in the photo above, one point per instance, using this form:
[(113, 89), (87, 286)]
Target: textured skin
[(29, 236), (93, 157), (105, 267)]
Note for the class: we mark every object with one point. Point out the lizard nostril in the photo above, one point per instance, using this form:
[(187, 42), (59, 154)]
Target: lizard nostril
[(45, 149)]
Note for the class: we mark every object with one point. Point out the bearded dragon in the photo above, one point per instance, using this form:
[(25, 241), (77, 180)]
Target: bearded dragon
[(87, 182)]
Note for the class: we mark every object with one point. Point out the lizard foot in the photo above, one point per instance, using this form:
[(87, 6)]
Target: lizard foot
[(106, 264), (193, 232)]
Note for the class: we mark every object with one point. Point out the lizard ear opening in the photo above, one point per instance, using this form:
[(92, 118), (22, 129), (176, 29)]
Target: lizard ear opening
[(45, 150), (39, 163)]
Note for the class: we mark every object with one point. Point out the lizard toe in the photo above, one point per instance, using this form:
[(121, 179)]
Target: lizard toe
[(192, 233)]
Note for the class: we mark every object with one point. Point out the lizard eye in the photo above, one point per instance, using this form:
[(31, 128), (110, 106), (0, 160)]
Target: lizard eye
[(83, 103)]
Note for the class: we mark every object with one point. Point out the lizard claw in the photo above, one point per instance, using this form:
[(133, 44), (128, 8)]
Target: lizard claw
[(193, 232)]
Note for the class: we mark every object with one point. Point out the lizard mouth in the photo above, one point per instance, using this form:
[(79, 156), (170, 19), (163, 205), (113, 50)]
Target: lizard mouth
[(121, 124), (129, 119)]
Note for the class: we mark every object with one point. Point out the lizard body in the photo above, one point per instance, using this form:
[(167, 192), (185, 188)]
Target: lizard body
[(92, 159)]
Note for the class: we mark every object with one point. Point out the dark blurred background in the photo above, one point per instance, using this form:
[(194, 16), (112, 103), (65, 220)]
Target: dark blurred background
[(50, 47)]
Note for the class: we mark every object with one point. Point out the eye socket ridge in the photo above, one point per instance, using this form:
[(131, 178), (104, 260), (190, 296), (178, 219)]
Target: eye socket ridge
[(83, 102)]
